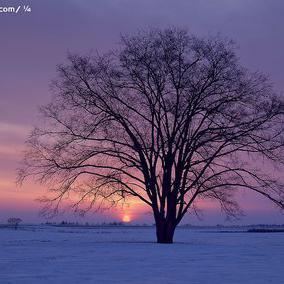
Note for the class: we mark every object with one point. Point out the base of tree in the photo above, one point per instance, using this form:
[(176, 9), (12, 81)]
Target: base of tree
[(164, 241), (164, 233)]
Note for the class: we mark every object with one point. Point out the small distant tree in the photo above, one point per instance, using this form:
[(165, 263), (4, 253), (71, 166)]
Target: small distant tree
[(170, 119), (14, 222)]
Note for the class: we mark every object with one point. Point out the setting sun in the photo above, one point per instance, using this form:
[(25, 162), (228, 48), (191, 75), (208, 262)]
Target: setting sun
[(126, 218)]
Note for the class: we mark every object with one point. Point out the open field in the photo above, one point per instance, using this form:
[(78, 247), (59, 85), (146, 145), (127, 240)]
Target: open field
[(48, 254)]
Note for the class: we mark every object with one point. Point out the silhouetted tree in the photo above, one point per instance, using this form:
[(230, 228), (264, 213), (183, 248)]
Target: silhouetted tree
[(171, 119), (14, 222)]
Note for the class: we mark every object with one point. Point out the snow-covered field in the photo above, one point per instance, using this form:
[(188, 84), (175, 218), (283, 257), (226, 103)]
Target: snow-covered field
[(46, 254)]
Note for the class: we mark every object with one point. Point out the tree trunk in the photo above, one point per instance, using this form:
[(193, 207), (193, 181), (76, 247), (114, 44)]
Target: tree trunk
[(165, 232)]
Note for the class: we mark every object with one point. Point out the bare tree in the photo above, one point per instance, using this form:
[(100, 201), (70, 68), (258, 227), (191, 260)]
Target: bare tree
[(14, 222), (170, 118)]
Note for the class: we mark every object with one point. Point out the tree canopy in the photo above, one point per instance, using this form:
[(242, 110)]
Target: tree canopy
[(169, 118)]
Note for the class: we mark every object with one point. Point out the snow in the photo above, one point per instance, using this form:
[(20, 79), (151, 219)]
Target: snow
[(48, 254)]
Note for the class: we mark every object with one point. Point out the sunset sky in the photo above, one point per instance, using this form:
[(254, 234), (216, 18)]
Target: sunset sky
[(32, 44)]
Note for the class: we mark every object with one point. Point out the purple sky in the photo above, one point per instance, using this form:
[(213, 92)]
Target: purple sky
[(32, 44)]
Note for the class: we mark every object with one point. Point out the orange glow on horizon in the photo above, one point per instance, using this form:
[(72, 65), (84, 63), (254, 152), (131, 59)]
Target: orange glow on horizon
[(126, 218), (14, 198)]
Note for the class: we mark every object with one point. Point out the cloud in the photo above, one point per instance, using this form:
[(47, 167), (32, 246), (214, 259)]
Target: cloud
[(14, 129), (12, 137), (11, 150), (6, 184)]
